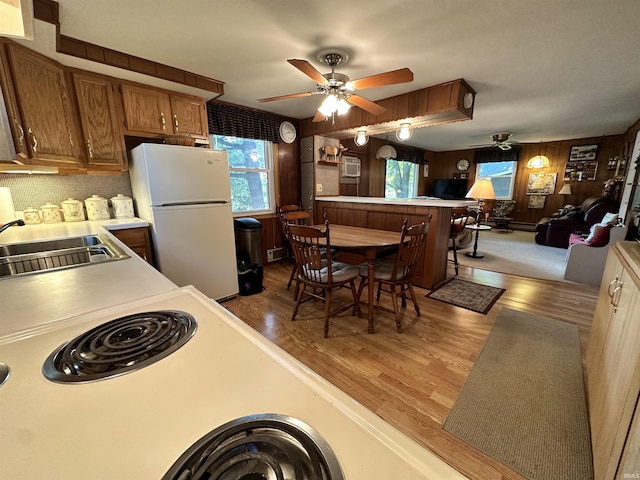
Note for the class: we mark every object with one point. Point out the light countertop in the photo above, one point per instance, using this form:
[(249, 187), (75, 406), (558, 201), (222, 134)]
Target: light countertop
[(422, 202), (49, 297)]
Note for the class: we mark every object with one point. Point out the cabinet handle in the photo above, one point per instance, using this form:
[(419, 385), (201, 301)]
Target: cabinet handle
[(613, 283), (164, 124), (175, 122), (89, 148), (34, 141), (616, 296), (21, 137)]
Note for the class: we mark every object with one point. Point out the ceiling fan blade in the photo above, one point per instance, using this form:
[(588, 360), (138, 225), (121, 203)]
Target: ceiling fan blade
[(309, 70), (389, 78), (282, 97), (319, 117), (368, 105)]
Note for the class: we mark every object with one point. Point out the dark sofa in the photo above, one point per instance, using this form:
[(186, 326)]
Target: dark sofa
[(555, 230)]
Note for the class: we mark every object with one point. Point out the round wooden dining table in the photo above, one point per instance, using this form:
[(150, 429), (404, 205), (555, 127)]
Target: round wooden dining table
[(368, 242)]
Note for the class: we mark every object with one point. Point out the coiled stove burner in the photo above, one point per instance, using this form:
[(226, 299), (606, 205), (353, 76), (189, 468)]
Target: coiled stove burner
[(120, 346), (259, 447)]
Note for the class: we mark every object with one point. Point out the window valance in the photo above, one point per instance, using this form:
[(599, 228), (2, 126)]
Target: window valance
[(234, 121), (496, 155), (408, 154)]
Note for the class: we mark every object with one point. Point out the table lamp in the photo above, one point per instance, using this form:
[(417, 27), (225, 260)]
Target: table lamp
[(481, 190), (566, 191)]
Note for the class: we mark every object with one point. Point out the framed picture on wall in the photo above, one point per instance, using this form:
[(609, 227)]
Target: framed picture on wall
[(541, 183), (536, 201), (583, 153)]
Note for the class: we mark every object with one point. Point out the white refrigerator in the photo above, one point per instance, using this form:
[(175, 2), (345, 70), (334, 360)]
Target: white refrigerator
[(185, 195)]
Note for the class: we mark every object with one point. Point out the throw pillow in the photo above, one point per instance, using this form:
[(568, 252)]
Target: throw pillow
[(610, 218), (592, 231), (600, 237)]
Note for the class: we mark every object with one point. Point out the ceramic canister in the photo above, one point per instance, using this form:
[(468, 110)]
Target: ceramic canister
[(51, 213), (31, 216), (97, 208), (122, 206), (73, 211)]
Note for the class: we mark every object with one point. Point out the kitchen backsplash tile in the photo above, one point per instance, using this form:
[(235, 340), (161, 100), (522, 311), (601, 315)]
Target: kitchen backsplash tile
[(37, 190)]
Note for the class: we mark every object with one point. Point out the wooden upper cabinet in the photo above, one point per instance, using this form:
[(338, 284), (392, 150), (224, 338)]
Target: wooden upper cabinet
[(146, 110), (11, 104), (102, 130), (47, 116), (154, 111), (189, 116)]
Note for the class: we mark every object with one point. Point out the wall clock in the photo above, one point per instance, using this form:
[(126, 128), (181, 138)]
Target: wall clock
[(287, 132), (463, 165)]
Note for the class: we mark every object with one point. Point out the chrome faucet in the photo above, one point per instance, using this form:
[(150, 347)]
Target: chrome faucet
[(12, 222)]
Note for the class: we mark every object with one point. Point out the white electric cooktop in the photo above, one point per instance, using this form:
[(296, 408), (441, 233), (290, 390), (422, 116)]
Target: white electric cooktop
[(136, 425)]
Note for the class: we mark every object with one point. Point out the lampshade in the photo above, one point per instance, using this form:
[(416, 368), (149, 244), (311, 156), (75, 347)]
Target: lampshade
[(539, 161), (386, 152), (361, 138), (404, 132), (565, 190), (482, 190)]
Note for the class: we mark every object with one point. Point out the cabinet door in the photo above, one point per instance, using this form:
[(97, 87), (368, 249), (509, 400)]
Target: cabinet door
[(137, 239), (101, 128), (189, 116), (614, 376), (49, 122), (146, 110), (13, 114)]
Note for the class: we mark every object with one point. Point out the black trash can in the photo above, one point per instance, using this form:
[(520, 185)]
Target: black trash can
[(248, 232)]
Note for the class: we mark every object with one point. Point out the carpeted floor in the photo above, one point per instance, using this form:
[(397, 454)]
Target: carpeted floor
[(524, 402), (515, 253), (469, 295)]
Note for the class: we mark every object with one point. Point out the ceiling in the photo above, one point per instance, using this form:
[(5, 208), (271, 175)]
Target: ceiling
[(543, 70)]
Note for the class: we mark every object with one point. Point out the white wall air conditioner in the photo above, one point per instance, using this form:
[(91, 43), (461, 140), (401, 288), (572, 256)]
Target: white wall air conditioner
[(350, 167)]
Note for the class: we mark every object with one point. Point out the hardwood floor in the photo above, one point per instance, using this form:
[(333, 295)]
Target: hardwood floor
[(410, 379)]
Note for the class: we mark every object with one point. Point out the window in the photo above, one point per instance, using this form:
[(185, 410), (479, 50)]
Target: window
[(502, 176), (250, 172), (401, 179)]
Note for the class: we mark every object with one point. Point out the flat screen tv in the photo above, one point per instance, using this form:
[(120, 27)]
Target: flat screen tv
[(450, 188)]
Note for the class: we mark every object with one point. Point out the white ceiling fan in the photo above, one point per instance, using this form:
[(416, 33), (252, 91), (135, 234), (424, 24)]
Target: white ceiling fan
[(500, 140)]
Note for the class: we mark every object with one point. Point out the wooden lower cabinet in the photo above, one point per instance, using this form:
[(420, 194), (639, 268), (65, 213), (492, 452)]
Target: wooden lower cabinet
[(613, 367), (137, 239), (432, 264)]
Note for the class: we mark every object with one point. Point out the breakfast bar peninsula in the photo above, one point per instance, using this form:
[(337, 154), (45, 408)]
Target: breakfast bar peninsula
[(388, 214)]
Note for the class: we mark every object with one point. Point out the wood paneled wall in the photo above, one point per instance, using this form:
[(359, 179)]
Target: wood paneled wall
[(444, 166)]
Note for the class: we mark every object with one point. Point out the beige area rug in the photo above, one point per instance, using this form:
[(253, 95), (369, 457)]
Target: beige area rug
[(517, 254), (472, 296), (524, 401)]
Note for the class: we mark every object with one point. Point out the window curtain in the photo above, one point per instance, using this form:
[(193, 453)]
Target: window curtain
[(496, 155), (225, 119)]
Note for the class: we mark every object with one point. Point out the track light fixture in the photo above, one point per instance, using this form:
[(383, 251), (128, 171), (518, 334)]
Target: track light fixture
[(361, 138), (404, 132)]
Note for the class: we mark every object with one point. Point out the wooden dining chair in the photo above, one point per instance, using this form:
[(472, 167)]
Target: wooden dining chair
[(394, 275), (317, 274), (291, 214)]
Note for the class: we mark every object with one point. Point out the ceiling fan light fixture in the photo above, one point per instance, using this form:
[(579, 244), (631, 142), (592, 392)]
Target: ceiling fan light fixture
[(361, 138), (329, 105), (404, 132), (343, 106), (539, 161)]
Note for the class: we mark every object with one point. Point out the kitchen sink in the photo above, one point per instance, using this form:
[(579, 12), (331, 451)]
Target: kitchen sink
[(34, 257), (50, 245)]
